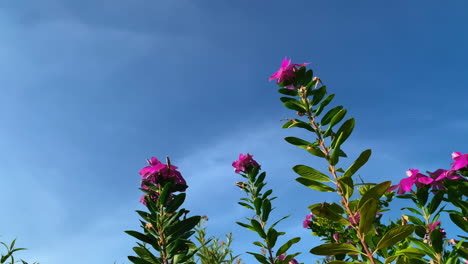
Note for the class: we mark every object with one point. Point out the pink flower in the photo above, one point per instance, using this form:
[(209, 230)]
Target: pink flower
[(286, 72), (283, 256), (244, 163), (355, 219), (307, 221), (336, 237), (433, 226), (414, 177), (459, 160)]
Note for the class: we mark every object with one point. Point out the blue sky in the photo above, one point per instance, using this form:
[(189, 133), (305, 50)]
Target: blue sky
[(91, 88)]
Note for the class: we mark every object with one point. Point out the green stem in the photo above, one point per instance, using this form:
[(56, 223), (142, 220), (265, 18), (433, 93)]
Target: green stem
[(332, 169), (262, 224)]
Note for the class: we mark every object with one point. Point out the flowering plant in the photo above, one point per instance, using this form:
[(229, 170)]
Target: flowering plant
[(353, 229)]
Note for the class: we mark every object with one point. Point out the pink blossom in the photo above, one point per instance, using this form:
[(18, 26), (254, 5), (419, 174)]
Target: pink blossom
[(307, 221), (459, 160), (433, 226), (355, 218), (286, 72), (414, 177), (244, 162), (283, 256), (336, 237)]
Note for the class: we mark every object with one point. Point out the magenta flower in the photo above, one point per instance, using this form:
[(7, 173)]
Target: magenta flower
[(355, 219), (286, 72), (459, 160), (433, 226), (154, 166), (336, 237), (283, 256), (244, 163), (307, 221), (414, 177)]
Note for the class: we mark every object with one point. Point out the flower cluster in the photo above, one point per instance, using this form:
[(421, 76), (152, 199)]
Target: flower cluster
[(435, 179), (306, 223), (157, 174), (244, 163), (286, 73)]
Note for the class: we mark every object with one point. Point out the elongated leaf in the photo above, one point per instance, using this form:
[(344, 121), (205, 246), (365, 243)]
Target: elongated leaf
[(368, 211), (394, 236), (298, 142), (288, 92), (137, 260), (295, 105), (435, 202), (375, 192), (334, 249), (246, 226), (318, 94), (258, 228), (347, 186), (315, 185), (459, 221), (175, 203), (323, 104), (262, 259), (329, 115), (345, 129), (337, 118), (142, 237), (412, 210), (437, 240), (311, 173), (360, 161), (287, 245), (266, 209), (272, 236)]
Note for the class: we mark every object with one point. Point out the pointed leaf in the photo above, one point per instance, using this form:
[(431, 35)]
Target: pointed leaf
[(360, 161), (394, 236), (311, 173)]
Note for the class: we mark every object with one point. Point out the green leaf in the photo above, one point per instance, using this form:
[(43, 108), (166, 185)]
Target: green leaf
[(164, 195), (334, 249), (295, 105), (318, 94), (329, 115), (258, 228), (435, 202), (437, 240), (344, 131), (422, 194), (323, 104), (412, 210), (298, 142), (272, 236), (315, 185), (266, 209), (360, 161), (246, 226), (459, 221), (258, 205), (287, 245), (375, 192), (288, 92), (262, 259), (311, 173), (337, 118), (394, 236), (315, 151), (137, 260), (298, 123), (142, 237), (368, 212), (248, 206), (176, 202), (184, 225), (347, 186)]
